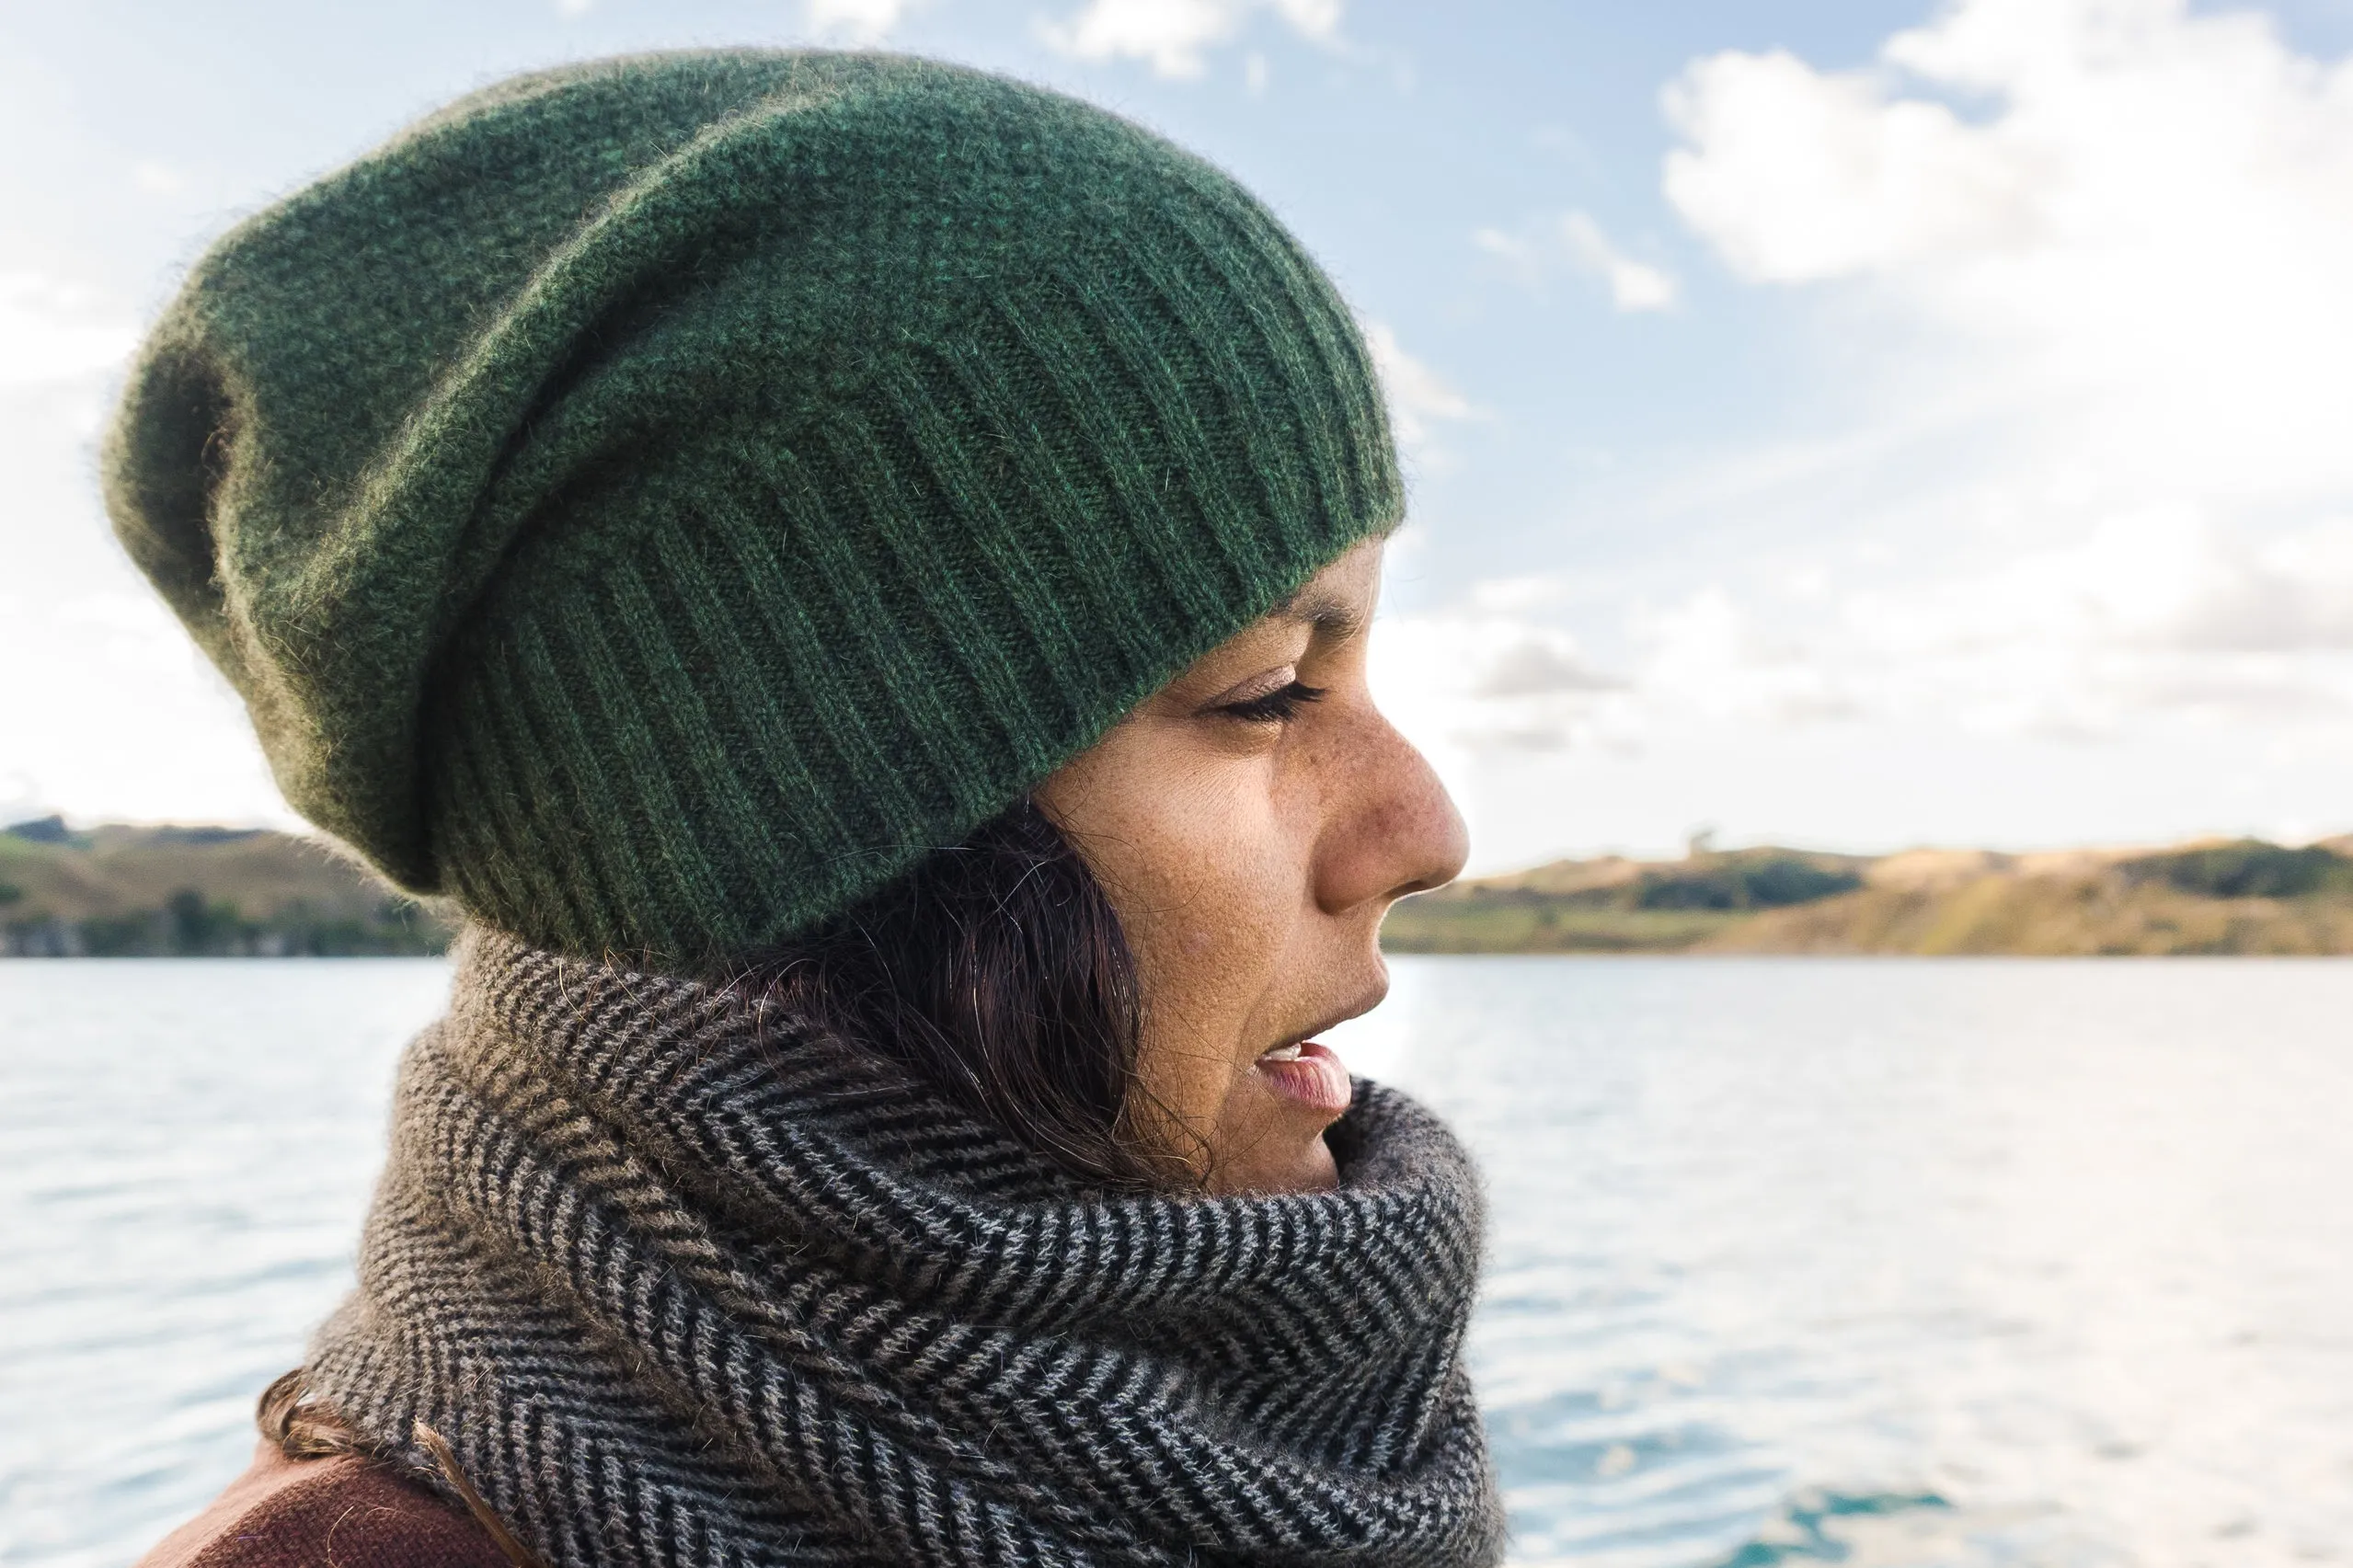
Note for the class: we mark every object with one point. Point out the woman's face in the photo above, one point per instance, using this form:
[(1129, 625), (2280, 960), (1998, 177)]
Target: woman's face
[(1251, 823)]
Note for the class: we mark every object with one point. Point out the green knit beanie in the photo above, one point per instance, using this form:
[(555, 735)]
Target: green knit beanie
[(655, 502)]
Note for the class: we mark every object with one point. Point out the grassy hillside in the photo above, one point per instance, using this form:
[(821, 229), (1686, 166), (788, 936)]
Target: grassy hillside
[(124, 892), (2243, 896)]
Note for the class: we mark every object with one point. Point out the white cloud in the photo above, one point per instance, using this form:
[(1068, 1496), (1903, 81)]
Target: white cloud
[(2154, 681), (1468, 684), (1517, 252), (1318, 20), (2141, 246), (52, 332), (1798, 175), (2155, 617), (107, 681), (1634, 285), (857, 21), (2150, 620), (158, 179), (2094, 344), (1418, 396), (1578, 240), (1173, 35)]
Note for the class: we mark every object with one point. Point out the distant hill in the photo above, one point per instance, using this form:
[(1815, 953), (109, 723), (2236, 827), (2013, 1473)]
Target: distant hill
[(136, 891), (120, 891), (2241, 897)]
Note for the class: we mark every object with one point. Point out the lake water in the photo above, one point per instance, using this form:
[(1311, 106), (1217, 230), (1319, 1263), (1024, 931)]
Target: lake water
[(1872, 1262)]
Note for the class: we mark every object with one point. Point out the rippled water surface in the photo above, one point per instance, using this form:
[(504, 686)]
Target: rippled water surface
[(1878, 1262)]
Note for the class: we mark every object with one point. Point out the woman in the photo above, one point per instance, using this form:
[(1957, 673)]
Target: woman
[(657, 506)]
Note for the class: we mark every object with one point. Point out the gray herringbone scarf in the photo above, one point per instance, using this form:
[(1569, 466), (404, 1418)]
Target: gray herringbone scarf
[(683, 1283)]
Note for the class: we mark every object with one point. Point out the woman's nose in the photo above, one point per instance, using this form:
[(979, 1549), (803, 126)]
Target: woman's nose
[(1390, 827)]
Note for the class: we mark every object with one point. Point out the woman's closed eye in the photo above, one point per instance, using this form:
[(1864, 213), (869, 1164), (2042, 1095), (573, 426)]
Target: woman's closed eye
[(1276, 706)]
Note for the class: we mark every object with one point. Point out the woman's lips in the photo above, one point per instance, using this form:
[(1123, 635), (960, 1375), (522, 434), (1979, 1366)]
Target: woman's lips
[(1309, 1073)]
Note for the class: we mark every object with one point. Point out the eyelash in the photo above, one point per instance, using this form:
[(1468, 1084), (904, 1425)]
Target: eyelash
[(1278, 707)]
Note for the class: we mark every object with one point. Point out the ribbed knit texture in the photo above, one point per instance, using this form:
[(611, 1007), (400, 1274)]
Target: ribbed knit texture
[(685, 1284), (657, 500)]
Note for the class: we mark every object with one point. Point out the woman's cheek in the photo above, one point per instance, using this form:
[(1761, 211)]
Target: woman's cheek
[(1225, 913)]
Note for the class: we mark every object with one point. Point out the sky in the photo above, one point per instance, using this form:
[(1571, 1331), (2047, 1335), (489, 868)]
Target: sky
[(1849, 424)]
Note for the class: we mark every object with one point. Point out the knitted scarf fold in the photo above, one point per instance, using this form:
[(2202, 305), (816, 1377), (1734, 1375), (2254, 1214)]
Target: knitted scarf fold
[(683, 1281)]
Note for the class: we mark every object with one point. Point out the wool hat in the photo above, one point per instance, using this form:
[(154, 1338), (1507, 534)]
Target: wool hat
[(655, 502)]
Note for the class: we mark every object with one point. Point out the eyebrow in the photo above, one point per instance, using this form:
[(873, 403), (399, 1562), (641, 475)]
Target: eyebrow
[(1321, 608)]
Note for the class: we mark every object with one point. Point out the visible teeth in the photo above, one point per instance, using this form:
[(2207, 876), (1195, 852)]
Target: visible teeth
[(1282, 1053)]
